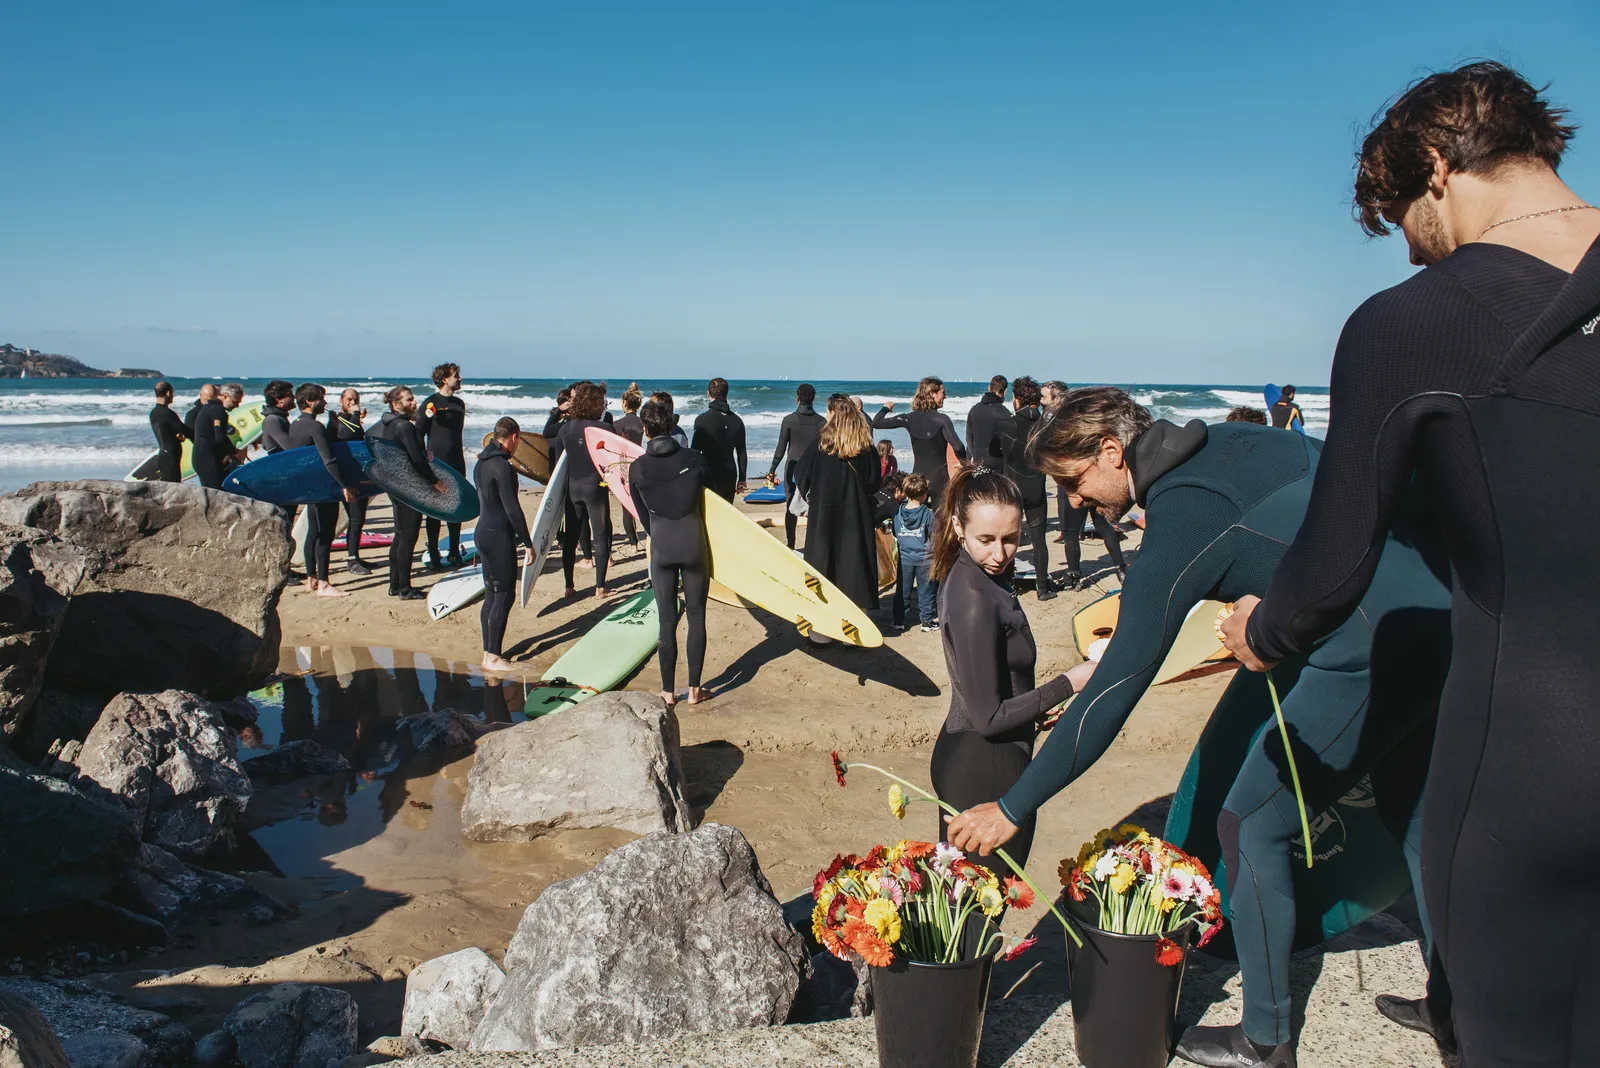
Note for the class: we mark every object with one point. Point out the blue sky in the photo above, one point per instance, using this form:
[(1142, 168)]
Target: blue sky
[(1152, 192)]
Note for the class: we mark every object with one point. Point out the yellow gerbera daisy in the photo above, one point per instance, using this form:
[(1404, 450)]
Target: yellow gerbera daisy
[(1123, 878), (991, 900), (897, 801), (884, 918)]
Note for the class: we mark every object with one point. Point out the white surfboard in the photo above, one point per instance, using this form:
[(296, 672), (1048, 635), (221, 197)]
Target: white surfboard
[(459, 590), (546, 521)]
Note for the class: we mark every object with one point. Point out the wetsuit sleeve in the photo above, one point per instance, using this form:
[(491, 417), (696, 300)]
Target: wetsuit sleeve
[(1363, 474), (222, 440), (741, 452), (885, 420), (319, 438), (701, 437), (951, 437), (979, 660), (1171, 576), (506, 484), (783, 447), (552, 423), (638, 499)]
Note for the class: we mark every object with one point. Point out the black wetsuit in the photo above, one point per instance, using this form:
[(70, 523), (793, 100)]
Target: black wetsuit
[(988, 733), (796, 434), (441, 420), (1285, 413), (500, 525), (407, 520), (1007, 442), (342, 427), (932, 434), (631, 427), (666, 483), (588, 503), (719, 437), (322, 519), (274, 429), (1478, 379), (1222, 503), (212, 446), (983, 420), (1071, 520), (170, 436)]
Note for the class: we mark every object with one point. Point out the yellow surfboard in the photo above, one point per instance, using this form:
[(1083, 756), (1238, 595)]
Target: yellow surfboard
[(760, 569), (244, 427), (1196, 643)]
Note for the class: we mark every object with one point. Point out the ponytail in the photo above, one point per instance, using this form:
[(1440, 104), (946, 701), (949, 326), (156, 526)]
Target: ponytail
[(969, 487)]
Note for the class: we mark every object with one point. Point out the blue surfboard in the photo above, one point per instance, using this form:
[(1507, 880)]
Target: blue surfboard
[(765, 495), (297, 477)]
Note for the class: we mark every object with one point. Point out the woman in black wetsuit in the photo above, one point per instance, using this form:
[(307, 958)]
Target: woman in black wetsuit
[(995, 709), (932, 435), (321, 519), (170, 434), (667, 484), (839, 480), (345, 425), (501, 525), (1477, 384), (588, 503)]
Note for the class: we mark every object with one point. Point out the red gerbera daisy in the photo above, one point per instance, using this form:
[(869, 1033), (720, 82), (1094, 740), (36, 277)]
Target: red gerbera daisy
[(1020, 948), (1017, 893), (1168, 953), (827, 873), (839, 768)]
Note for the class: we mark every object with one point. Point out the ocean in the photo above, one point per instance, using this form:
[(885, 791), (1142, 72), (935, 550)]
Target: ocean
[(67, 428)]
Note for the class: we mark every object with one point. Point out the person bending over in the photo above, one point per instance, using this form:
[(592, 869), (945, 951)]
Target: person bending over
[(1069, 520), (501, 525), (1221, 504), (346, 425), (170, 434), (667, 484), (995, 708), (442, 420), (933, 435), (719, 437), (322, 519), (398, 426)]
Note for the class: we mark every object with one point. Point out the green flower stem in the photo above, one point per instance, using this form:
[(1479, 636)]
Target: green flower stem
[(1016, 868), (1294, 772)]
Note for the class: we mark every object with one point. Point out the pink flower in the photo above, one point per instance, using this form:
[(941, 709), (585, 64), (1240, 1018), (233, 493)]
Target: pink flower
[(1177, 884), (1020, 948)]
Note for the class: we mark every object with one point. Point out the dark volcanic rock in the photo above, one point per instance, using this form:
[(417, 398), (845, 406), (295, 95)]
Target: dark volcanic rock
[(294, 759), (26, 1038), (294, 1025), (170, 762), (180, 587), (38, 574), (672, 933), (99, 1030), (58, 716), (57, 846)]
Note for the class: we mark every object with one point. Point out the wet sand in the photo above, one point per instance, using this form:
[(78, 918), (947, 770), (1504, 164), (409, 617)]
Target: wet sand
[(393, 882)]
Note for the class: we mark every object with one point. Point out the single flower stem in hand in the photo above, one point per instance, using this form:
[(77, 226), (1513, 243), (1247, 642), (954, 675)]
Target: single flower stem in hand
[(1294, 772), (1018, 869)]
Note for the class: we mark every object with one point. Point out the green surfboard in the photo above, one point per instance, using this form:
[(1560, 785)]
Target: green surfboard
[(611, 651)]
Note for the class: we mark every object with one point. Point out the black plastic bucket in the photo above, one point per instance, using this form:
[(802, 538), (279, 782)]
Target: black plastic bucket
[(930, 1015), (1124, 1002)]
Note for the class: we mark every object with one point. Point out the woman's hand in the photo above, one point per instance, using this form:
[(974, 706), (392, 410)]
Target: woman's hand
[(1079, 676), (527, 556), (981, 829), (1231, 628)]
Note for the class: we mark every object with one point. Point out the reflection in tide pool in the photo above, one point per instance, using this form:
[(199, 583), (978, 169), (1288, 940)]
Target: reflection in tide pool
[(352, 700)]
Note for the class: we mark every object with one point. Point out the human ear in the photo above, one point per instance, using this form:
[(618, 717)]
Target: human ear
[(1111, 450)]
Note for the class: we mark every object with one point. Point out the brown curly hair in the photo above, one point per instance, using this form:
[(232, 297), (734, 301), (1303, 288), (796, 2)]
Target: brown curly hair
[(1478, 117), (588, 401)]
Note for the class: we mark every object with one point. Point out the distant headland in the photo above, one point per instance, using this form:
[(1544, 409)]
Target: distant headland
[(31, 363)]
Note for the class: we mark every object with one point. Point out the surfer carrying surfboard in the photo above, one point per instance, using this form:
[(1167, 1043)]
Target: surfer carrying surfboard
[(1222, 503), (1286, 414), (501, 525), (308, 432), (397, 426)]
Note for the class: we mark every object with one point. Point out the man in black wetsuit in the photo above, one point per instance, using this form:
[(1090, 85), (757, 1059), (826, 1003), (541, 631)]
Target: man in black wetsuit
[(986, 416), (719, 437), (443, 418), (322, 519), (501, 525), (630, 426), (1221, 503), (1008, 443), (1477, 383), (170, 434), (278, 398), (1069, 520), (796, 434), (346, 425), (212, 445), (397, 426), (1286, 413)]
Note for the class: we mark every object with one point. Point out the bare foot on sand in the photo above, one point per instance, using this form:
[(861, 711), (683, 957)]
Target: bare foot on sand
[(327, 590), (599, 591), (698, 694), (670, 698), (497, 663), (586, 563)]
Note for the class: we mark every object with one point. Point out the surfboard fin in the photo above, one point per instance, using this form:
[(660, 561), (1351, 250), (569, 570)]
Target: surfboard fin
[(803, 625), (851, 631), (813, 584)]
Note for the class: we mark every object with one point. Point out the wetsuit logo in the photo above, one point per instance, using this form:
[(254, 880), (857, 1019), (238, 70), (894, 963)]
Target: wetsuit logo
[(1329, 833), (1589, 327)]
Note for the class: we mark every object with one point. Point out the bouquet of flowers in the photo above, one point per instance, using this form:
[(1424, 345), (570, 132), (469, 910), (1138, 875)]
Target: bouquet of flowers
[(915, 898), (1142, 885)]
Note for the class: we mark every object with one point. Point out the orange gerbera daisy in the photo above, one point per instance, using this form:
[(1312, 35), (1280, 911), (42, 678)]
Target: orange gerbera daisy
[(861, 937), (1017, 893), (914, 850)]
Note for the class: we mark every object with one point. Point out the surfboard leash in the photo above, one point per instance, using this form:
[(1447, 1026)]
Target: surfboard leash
[(1294, 772)]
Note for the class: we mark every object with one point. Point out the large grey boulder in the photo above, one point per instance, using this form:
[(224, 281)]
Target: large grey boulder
[(26, 1038), (57, 845), (672, 933), (180, 588), (38, 574), (293, 1025), (170, 762), (98, 1030), (446, 996), (612, 761)]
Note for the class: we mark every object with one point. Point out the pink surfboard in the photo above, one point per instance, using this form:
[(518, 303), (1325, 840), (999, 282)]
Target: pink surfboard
[(612, 453), (368, 541), (952, 462)]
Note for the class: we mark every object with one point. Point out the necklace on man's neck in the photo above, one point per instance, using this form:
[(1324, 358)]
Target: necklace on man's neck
[(1537, 214)]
